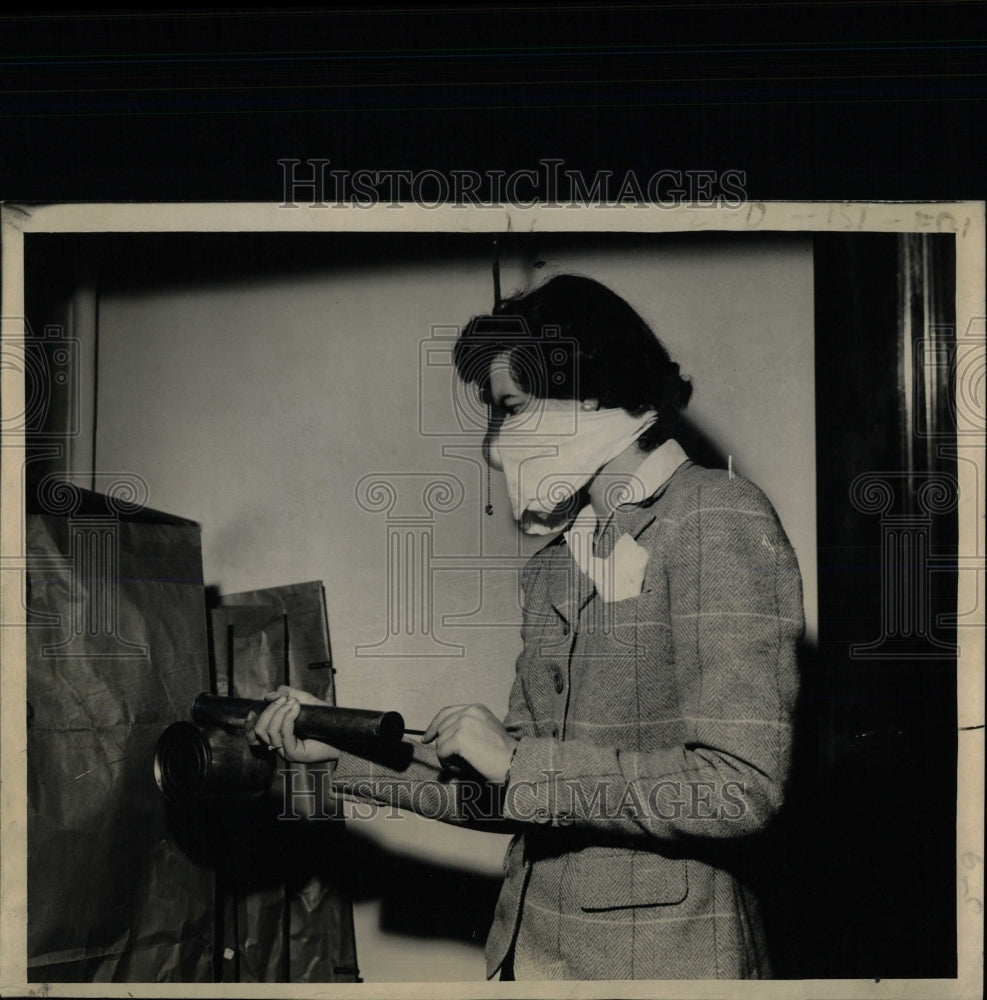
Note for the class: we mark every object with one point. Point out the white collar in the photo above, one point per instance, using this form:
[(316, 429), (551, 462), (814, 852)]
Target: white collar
[(650, 476), (655, 471)]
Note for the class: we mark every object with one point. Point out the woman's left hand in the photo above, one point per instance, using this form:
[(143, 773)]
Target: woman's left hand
[(472, 733)]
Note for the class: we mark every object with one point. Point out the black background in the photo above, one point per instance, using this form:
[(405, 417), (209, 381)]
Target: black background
[(826, 100)]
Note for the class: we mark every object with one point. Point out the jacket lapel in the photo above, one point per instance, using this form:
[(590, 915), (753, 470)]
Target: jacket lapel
[(567, 584), (635, 519), (569, 589)]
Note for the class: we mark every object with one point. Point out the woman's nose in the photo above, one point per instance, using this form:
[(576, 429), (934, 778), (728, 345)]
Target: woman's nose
[(491, 453)]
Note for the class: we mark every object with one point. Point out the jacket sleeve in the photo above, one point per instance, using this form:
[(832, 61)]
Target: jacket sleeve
[(735, 600), (410, 777)]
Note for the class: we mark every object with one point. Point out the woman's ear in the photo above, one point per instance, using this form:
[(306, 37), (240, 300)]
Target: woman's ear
[(589, 404)]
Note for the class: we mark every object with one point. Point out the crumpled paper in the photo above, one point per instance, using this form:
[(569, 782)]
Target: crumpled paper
[(116, 651), (282, 917)]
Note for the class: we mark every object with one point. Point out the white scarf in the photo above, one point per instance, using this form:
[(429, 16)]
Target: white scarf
[(549, 455)]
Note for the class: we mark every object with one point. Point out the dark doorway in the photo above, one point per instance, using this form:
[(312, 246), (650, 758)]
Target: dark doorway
[(865, 857)]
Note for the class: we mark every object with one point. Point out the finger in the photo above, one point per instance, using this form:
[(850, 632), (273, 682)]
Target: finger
[(442, 719), (302, 751), (449, 752), (265, 724), (446, 747), (302, 697), (453, 718), (451, 739), (277, 723), (287, 738), (283, 691), (248, 727), (484, 714)]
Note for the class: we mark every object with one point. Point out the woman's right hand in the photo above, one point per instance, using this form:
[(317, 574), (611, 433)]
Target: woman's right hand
[(275, 727)]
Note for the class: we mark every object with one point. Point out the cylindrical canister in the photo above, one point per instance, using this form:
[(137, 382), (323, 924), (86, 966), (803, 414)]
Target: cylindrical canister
[(193, 762), (316, 722)]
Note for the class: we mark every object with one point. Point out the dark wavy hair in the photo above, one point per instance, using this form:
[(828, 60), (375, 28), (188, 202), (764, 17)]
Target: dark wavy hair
[(573, 338)]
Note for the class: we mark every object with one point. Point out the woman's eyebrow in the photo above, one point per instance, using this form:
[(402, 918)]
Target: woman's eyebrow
[(508, 400)]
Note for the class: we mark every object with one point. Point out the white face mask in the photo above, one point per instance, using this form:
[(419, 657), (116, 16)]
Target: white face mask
[(548, 460)]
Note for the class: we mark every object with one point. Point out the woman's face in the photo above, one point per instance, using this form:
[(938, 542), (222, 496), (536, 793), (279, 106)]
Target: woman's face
[(507, 399)]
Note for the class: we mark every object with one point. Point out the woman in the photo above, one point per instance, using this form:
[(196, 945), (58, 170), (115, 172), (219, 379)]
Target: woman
[(649, 727)]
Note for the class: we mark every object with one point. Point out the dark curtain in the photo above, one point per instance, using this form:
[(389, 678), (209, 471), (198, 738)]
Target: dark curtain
[(864, 860)]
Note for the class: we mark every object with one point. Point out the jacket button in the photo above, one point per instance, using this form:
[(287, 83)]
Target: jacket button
[(565, 628), (558, 681), (542, 815)]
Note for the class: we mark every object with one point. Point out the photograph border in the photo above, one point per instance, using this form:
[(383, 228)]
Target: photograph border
[(965, 221)]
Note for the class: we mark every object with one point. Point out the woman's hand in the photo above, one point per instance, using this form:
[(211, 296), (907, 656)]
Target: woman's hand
[(275, 727), (472, 733)]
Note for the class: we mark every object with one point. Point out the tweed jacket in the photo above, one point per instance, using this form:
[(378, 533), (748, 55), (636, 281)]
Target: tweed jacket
[(654, 731)]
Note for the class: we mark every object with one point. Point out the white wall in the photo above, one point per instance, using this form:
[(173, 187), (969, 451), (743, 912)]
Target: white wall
[(256, 408)]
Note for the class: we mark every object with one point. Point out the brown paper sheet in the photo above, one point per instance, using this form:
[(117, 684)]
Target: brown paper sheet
[(282, 917), (116, 652)]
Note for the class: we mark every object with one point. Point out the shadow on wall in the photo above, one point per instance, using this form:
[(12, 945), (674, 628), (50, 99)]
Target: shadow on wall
[(251, 849), (419, 899), (860, 847), (698, 446), (786, 865)]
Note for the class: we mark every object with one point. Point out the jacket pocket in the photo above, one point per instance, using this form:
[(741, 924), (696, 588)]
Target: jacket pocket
[(612, 879)]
